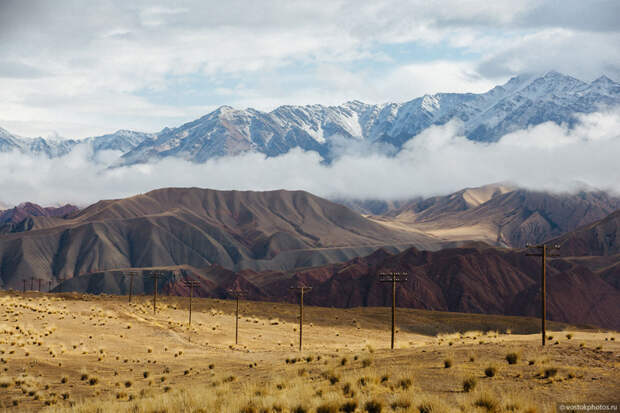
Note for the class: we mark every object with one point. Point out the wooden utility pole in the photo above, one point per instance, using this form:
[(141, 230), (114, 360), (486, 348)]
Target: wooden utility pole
[(39, 283), (301, 290), (545, 251), (191, 284), (236, 294), (49, 286), (131, 274), (393, 277), (31, 283), (155, 275), (24, 280)]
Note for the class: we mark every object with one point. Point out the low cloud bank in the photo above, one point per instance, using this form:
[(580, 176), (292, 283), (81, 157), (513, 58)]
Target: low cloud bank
[(438, 161)]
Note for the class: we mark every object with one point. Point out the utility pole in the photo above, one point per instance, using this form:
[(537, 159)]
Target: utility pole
[(545, 251), (236, 294), (191, 284), (31, 283), (131, 274), (39, 283), (301, 290), (393, 277), (155, 275), (49, 286)]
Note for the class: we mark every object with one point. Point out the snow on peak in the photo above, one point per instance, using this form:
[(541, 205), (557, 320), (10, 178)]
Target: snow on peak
[(430, 103)]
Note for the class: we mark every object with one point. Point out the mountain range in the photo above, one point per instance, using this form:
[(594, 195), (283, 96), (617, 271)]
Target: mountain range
[(499, 215), (266, 241), (523, 101), (198, 227), (476, 279)]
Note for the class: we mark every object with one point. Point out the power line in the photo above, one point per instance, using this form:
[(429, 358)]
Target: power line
[(236, 294), (545, 251), (393, 277), (302, 290)]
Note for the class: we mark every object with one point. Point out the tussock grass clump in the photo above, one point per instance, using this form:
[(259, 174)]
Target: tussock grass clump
[(487, 402), (447, 363), (145, 374), (333, 379), (404, 383), (549, 372), (366, 363), (469, 384), (348, 406), (490, 371), (569, 336), (327, 408), (93, 380), (344, 361), (373, 406), (512, 358)]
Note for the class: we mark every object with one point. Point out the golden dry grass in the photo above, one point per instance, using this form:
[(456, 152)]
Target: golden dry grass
[(73, 352)]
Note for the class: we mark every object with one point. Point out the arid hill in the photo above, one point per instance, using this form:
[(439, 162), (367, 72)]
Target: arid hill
[(197, 227), (501, 215), (599, 238), (11, 218), (472, 280)]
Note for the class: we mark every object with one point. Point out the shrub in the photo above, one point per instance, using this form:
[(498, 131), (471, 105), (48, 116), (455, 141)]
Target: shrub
[(550, 372), (569, 336), (299, 409), (93, 380), (469, 384), (447, 363), (490, 371), (128, 383), (343, 361), (512, 358), (373, 406), (366, 362)]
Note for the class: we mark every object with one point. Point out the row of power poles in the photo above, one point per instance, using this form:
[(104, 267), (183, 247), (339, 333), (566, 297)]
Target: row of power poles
[(544, 251), (39, 280)]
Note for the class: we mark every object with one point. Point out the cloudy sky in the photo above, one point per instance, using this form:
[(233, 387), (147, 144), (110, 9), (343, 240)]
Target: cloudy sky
[(76, 69)]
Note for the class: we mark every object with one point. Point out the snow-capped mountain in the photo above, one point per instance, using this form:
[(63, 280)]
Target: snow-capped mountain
[(122, 140), (523, 101)]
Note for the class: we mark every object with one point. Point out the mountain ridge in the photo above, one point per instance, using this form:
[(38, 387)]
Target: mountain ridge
[(523, 101)]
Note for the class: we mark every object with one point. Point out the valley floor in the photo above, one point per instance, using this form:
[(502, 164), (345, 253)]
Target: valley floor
[(74, 352)]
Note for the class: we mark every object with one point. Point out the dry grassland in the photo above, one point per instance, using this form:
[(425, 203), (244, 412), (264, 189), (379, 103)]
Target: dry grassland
[(74, 352)]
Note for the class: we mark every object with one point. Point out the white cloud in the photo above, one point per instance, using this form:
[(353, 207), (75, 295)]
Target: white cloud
[(438, 161), (85, 69)]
